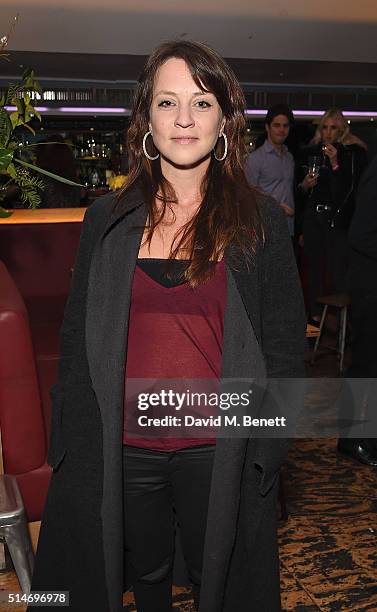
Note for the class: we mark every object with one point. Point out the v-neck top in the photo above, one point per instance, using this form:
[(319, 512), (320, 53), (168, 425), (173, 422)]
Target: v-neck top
[(175, 336), (168, 273)]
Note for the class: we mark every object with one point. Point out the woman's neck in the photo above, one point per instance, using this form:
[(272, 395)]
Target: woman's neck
[(186, 182)]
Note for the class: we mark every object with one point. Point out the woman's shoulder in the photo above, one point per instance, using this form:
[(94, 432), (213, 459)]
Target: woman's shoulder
[(355, 142), (104, 206)]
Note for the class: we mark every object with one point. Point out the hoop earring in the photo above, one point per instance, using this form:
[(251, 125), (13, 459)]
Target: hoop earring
[(145, 148), (225, 148)]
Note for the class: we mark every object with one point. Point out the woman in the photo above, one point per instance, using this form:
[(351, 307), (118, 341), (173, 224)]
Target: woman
[(333, 167), (109, 516)]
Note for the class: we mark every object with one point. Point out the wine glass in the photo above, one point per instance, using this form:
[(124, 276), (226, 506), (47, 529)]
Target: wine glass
[(314, 164)]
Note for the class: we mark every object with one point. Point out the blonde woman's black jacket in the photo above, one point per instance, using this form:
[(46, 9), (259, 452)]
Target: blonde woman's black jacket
[(335, 188)]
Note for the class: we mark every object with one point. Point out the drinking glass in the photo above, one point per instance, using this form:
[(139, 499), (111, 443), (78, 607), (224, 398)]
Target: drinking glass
[(314, 164)]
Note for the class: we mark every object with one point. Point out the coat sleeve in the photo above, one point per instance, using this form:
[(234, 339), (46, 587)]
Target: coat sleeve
[(283, 337), (73, 327), (283, 312), (72, 332), (73, 324)]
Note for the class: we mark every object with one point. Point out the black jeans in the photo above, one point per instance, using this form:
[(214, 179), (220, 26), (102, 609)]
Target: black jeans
[(161, 488), (326, 250)]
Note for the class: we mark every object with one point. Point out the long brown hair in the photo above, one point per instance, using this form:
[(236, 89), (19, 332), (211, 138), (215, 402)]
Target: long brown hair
[(228, 212)]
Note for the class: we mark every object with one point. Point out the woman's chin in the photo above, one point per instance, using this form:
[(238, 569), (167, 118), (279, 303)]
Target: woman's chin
[(186, 162)]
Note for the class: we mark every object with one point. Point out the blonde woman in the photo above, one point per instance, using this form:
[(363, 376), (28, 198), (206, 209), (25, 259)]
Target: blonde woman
[(333, 167), (336, 121)]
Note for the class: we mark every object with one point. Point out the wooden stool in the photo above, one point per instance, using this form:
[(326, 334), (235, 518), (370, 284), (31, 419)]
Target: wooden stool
[(341, 302)]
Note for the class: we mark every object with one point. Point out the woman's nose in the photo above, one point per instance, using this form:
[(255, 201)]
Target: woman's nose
[(184, 116)]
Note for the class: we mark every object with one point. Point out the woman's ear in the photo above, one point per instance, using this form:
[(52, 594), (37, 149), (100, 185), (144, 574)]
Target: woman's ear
[(222, 126)]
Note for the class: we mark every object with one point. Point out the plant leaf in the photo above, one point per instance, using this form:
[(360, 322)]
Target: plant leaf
[(14, 117), (5, 213), (20, 105), (29, 113), (36, 113), (6, 156), (10, 92), (11, 170), (5, 128), (27, 73), (61, 179), (28, 127), (30, 186)]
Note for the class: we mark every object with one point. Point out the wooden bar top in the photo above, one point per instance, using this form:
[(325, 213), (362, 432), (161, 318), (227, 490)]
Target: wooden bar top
[(44, 215)]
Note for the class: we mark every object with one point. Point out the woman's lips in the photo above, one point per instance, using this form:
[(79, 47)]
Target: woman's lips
[(184, 140)]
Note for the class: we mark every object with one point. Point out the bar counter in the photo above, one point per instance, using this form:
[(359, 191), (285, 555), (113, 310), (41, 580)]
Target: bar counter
[(26, 216)]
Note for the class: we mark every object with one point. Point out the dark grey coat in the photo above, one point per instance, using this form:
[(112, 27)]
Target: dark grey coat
[(81, 540)]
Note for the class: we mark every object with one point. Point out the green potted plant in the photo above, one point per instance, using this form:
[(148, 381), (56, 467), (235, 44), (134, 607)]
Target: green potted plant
[(14, 169)]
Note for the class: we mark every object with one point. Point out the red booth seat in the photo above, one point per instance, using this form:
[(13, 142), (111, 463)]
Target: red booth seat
[(23, 424)]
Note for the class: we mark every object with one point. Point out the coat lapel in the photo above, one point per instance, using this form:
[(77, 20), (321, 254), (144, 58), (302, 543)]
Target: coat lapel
[(109, 294), (242, 359)]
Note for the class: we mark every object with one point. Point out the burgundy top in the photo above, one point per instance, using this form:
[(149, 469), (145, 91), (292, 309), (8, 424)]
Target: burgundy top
[(176, 333)]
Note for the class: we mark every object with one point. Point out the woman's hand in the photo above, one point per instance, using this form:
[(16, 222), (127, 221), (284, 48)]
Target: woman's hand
[(309, 182), (331, 153), (287, 209)]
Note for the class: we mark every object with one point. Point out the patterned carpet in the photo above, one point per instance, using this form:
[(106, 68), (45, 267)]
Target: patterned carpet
[(328, 545)]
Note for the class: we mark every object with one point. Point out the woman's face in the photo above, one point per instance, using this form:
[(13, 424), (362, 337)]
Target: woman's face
[(331, 130), (184, 120)]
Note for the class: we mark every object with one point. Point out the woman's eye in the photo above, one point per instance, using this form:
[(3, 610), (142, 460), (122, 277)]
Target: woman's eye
[(203, 104), (165, 103)]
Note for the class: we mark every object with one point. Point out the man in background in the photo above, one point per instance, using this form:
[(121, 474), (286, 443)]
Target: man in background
[(271, 167)]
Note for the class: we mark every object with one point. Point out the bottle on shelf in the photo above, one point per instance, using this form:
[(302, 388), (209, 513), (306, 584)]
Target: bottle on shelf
[(94, 178)]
